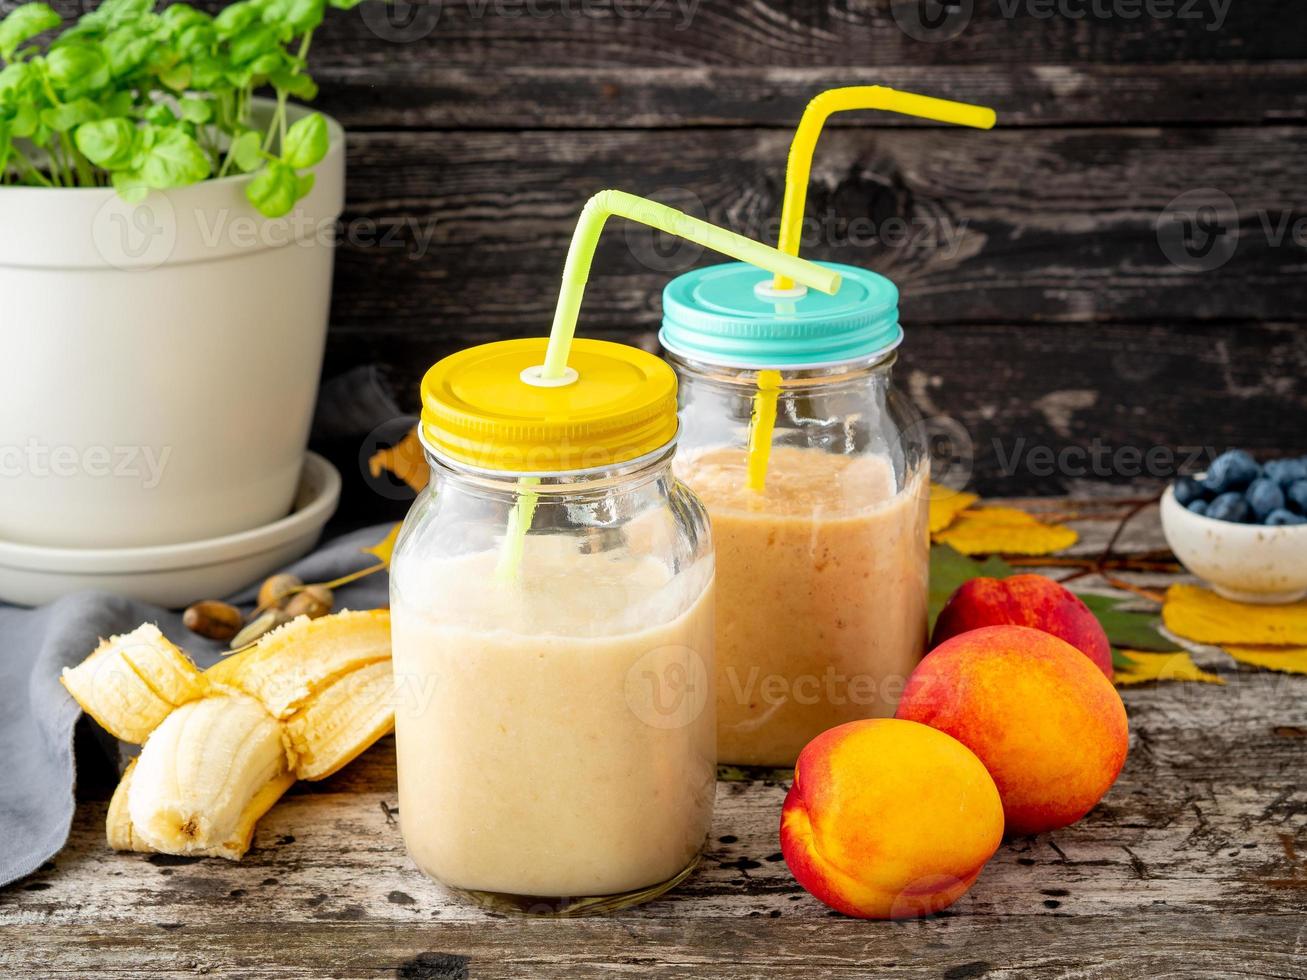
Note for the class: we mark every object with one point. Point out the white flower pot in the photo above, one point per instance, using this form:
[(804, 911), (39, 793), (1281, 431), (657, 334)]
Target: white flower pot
[(159, 362)]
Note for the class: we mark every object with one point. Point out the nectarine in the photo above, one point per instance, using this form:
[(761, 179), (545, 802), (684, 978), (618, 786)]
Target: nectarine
[(889, 819), (1048, 726), (1025, 600)]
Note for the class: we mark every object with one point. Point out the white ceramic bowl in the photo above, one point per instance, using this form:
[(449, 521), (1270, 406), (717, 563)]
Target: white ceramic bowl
[(178, 574), (1243, 562)]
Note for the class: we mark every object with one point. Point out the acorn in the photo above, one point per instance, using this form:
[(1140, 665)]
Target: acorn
[(213, 619), (277, 590), (313, 601)]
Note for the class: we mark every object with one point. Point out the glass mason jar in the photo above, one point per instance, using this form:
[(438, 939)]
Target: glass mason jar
[(823, 562), (552, 605)]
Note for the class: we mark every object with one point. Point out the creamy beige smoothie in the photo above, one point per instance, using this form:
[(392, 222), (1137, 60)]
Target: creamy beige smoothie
[(821, 594), (555, 737)]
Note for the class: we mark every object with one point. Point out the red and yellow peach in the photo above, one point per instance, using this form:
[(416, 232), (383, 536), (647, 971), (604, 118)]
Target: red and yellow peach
[(889, 819), (1047, 724), (1025, 600)]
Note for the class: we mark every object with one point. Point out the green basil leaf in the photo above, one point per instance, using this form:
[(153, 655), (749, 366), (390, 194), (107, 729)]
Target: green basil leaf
[(26, 121), (107, 143), (14, 78), (118, 104), (344, 4), (198, 111), (183, 17), (305, 15), (306, 182), (131, 187), (127, 52), (77, 69), (252, 42), (235, 19), (306, 142), (160, 114), (174, 160), (297, 86), (24, 23), (177, 77), (247, 151), (63, 118), (274, 190)]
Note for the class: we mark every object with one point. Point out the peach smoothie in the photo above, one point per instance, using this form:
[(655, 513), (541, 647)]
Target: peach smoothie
[(821, 594), (555, 735)]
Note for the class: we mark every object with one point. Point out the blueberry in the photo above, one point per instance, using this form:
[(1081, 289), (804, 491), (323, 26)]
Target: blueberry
[(1229, 507), (1232, 470), (1263, 497), (1198, 506), (1297, 494), (1187, 490), (1286, 471), (1277, 518)]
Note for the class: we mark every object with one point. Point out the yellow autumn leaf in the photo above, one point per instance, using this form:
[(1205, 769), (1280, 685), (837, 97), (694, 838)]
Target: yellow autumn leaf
[(1288, 660), (1201, 615), (1175, 666), (946, 504), (1006, 530), (405, 459), (385, 548)]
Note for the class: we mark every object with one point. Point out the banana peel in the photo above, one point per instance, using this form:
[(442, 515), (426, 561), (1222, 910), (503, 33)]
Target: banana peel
[(220, 747)]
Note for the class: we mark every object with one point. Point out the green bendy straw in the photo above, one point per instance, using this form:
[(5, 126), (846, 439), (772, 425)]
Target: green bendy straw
[(576, 272)]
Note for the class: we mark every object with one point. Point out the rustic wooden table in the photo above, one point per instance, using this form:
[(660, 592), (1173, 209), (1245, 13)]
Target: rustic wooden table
[(1195, 865)]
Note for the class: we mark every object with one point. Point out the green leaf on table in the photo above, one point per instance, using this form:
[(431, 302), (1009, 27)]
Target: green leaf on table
[(1130, 630), (107, 143), (306, 142), (24, 23), (950, 568)]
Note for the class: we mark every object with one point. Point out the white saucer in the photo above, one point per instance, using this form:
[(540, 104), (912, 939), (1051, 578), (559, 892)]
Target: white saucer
[(176, 575)]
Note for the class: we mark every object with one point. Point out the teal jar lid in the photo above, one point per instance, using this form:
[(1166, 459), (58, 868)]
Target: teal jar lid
[(730, 315)]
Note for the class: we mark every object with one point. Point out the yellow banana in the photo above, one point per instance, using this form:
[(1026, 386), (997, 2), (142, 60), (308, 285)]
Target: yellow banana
[(289, 665), (342, 720), (130, 683), (220, 747), (201, 771)]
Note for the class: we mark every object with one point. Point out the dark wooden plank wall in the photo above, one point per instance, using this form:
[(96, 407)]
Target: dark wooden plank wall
[(1040, 302)]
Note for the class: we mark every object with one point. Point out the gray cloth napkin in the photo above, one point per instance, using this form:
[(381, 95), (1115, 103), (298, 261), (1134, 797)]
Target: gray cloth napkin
[(37, 715)]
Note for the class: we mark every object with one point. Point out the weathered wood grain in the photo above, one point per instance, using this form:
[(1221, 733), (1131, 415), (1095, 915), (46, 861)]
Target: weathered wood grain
[(360, 91), (1165, 947), (488, 35), (997, 227)]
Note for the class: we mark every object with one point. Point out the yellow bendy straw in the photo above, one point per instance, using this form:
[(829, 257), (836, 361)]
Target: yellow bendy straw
[(797, 172), (834, 100), (576, 272), (607, 204)]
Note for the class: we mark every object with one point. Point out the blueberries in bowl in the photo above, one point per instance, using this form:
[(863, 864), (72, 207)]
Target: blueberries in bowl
[(1264, 496), (1233, 470), (1239, 490), (1282, 517), (1229, 507)]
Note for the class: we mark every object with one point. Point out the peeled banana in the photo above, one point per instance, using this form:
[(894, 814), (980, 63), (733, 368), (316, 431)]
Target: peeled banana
[(219, 747)]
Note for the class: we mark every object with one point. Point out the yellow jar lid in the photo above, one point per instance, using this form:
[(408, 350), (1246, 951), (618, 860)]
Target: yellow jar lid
[(487, 408)]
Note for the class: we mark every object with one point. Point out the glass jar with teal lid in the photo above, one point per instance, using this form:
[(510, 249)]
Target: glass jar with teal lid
[(814, 470)]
